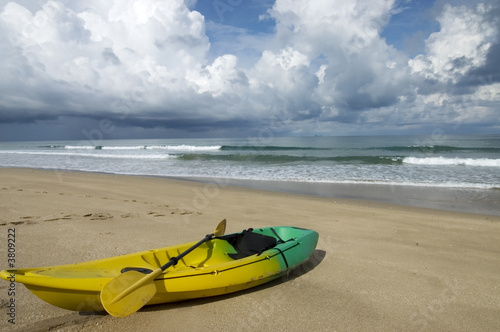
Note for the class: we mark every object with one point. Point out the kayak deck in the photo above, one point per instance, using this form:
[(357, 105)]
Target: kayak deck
[(219, 266)]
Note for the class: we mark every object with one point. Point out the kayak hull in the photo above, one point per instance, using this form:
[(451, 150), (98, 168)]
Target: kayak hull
[(209, 270)]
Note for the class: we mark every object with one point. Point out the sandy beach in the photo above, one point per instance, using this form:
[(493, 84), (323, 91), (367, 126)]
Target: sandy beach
[(377, 266)]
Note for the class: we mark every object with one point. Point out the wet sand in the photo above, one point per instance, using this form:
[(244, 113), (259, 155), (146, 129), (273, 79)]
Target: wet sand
[(468, 200)]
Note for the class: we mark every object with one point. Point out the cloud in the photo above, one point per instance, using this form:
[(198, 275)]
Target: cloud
[(455, 76), (124, 52), (359, 70), (461, 45), (218, 78), (151, 64)]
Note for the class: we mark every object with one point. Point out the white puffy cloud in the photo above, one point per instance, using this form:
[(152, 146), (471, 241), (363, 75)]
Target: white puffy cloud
[(321, 26), (461, 44), (218, 77), (450, 89), (354, 68), (109, 51)]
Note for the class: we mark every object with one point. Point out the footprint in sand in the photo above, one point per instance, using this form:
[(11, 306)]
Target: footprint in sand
[(184, 212), (98, 216), (64, 217), (52, 219), (127, 215), (156, 214), (30, 220)]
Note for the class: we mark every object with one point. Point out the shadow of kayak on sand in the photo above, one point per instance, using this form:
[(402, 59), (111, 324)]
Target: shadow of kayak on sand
[(304, 268)]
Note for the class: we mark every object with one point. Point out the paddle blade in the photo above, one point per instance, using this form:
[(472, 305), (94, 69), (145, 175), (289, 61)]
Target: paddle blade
[(128, 292), (221, 228)]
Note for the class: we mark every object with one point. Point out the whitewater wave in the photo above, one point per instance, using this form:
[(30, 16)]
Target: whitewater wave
[(145, 147), (442, 161), (187, 147), (80, 147), (434, 149), (92, 155)]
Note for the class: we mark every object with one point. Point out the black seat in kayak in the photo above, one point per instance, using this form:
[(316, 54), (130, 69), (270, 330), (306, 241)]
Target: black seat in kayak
[(248, 243)]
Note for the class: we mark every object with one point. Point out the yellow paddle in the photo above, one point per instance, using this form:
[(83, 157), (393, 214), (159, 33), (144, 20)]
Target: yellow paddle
[(131, 290)]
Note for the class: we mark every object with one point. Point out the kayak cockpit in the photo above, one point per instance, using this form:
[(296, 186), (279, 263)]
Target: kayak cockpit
[(220, 250)]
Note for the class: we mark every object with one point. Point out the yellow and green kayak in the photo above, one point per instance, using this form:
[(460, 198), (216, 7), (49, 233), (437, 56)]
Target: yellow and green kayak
[(219, 266)]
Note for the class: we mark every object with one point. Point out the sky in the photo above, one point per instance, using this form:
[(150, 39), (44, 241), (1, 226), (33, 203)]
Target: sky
[(236, 68)]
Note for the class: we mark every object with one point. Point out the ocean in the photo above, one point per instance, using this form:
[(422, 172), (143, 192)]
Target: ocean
[(447, 162)]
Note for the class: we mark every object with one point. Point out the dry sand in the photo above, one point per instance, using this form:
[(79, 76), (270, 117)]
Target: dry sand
[(377, 267)]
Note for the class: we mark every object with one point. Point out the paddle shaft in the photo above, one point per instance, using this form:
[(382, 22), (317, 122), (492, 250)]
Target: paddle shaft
[(174, 260), (219, 231), (157, 272)]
